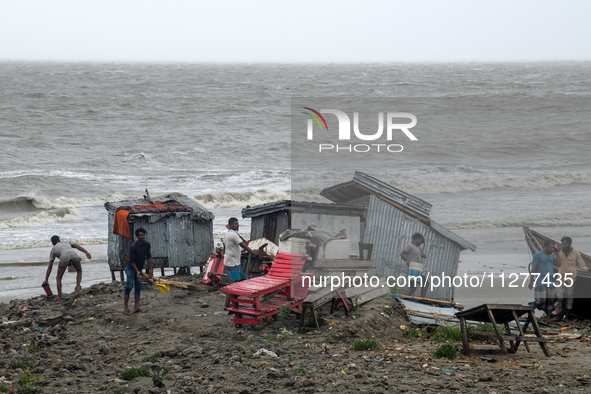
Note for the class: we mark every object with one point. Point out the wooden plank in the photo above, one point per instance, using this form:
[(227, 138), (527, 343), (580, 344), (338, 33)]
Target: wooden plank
[(322, 293), (358, 291), (343, 263), (520, 333), (465, 342), (534, 323), (365, 297), (497, 331), (507, 337)]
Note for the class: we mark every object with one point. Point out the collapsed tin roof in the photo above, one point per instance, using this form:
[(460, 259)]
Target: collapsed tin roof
[(363, 184), (299, 206)]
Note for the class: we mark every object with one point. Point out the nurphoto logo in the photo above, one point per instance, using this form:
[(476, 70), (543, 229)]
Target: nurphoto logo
[(392, 125)]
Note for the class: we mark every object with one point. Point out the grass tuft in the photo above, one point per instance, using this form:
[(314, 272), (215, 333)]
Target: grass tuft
[(153, 358), (283, 315), (366, 344), (301, 371), (447, 350), (132, 373), (412, 333), (446, 334), (23, 365)]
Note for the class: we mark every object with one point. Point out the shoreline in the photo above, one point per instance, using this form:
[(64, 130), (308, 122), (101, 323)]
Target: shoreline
[(497, 258)]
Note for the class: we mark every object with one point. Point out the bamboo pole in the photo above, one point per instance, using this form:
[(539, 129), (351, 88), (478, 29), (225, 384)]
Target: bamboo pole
[(460, 307), (179, 285)]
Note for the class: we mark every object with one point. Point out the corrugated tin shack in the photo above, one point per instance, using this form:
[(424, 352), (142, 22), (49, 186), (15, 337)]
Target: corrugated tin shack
[(178, 239), (392, 217)]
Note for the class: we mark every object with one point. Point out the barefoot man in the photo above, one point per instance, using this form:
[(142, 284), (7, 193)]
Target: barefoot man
[(545, 292), (67, 256), (139, 252), (568, 259), (233, 244)]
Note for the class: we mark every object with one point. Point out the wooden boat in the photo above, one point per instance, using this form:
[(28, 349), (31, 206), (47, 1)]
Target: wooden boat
[(582, 293)]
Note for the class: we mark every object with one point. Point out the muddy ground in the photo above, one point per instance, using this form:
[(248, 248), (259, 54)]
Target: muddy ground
[(83, 345)]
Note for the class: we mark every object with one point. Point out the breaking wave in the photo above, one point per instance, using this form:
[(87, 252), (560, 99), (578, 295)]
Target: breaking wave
[(47, 244), (17, 205), (472, 184), (261, 196), (25, 204), (42, 218), (241, 199), (559, 220)]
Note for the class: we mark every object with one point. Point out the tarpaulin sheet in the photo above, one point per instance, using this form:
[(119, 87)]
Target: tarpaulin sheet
[(121, 224)]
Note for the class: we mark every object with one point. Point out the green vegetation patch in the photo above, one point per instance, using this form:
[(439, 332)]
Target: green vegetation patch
[(446, 333), (132, 373), (366, 344), (23, 365), (25, 381), (412, 333), (301, 371), (153, 358), (282, 315), (447, 350)]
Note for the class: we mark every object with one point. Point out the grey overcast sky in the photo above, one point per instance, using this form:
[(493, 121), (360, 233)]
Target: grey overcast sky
[(295, 31)]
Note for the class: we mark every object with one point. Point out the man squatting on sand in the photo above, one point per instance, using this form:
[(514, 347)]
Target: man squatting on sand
[(67, 256), (567, 260), (412, 255), (233, 245), (139, 252), (545, 291)]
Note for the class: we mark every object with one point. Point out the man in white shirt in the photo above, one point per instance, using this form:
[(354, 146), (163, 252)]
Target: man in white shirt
[(233, 245), (64, 251)]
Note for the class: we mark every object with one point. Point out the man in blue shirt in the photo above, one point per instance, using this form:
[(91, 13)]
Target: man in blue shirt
[(544, 293)]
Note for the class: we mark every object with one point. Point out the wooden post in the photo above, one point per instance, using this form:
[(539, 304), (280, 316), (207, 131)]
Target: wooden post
[(121, 275), (303, 315), (512, 347), (534, 324), (465, 342), (161, 271), (113, 275), (521, 333), (497, 331)]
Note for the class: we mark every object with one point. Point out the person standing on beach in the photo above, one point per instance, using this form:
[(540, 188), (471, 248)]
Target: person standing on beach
[(67, 256), (139, 252), (545, 292), (412, 255), (568, 260), (233, 245)]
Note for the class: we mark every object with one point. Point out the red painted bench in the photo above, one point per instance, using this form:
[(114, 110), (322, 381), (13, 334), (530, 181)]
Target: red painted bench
[(262, 297)]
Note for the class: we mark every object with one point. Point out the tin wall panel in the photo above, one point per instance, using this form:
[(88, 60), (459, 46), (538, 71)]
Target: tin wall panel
[(390, 230), (203, 242), (256, 227)]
